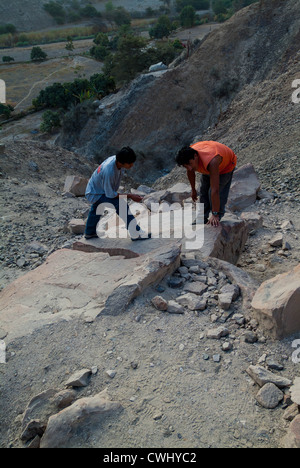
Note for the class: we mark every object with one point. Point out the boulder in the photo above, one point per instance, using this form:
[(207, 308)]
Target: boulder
[(69, 285), (244, 188), (295, 391), (276, 304), (75, 185), (157, 67), (68, 423), (292, 438), (40, 408)]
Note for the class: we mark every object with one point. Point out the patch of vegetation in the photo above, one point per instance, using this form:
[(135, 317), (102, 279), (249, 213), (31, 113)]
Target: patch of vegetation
[(64, 95), (6, 110), (50, 121), (37, 54), (7, 59)]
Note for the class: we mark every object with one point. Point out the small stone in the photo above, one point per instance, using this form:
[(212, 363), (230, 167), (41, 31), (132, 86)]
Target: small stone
[(196, 288), (160, 303), (227, 346), (269, 396), (291, 412), (192, 301), (250, 337), (111, 373), (134, 365), (79, 379), (175, 282), (262, 376), (217, 333), (273, 365), (277, 240), (175, 308), (216, 358)]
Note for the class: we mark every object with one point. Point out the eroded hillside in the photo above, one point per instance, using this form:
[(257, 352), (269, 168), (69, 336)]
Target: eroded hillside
[(158, 116)]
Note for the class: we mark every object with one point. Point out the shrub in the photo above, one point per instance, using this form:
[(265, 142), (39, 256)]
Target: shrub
[(6, 110), (37, 54), (7, 59), (51, 121), (8, 29)]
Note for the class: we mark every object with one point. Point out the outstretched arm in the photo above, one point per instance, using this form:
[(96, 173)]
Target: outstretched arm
[(192, 178), (214, 173)]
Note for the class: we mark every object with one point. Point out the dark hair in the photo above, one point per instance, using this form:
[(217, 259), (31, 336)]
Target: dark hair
[(185, 155), (126, 155)]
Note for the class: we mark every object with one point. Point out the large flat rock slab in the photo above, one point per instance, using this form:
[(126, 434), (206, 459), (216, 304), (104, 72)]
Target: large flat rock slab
[(225, 242), (123, 247), (74, 283)]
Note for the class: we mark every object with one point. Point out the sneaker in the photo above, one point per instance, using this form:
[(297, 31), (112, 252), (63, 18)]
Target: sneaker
[(90, 236), (142, 236)]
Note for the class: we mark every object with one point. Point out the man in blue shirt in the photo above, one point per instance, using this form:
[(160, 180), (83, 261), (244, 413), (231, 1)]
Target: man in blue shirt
[(102, 189)]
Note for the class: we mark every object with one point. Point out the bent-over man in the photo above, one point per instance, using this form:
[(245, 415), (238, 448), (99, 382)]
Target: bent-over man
[(216, 162), (102, 189)]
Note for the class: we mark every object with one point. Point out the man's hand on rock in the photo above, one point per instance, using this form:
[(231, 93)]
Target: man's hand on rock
[(214, 221), (194, 195), (136, 198)]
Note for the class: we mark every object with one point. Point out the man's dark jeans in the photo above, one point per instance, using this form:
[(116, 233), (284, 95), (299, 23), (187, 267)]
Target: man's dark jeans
[(205, 193), (94, 218)]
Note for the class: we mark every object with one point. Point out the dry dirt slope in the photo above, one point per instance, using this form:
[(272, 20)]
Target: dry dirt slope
[(253, 46)]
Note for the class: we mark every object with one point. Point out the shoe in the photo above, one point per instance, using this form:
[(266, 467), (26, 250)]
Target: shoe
[(142, 236), (90, 236)]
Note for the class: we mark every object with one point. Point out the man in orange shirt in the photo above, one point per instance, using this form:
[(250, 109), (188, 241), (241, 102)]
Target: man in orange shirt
[(216, 162)]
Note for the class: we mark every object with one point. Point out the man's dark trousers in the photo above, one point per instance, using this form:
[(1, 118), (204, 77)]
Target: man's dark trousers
[(94, 218), (205, 193)]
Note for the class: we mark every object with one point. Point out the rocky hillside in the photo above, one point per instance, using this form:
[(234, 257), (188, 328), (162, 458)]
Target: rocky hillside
[(159, 115), (26, 15)]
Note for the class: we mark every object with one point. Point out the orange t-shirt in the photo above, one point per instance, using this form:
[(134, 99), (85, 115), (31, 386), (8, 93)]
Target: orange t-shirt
[(207, 150)]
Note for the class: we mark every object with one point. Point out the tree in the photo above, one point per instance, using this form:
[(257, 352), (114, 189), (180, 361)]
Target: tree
[(162, 28), (129, 58), (51, 120), (37, 54), (53, 96), (188, 17)]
